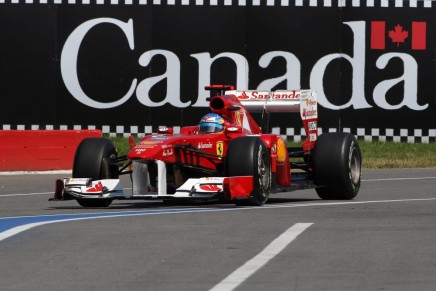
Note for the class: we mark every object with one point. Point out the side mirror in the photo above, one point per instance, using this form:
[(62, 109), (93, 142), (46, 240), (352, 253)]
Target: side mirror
[(233, 129)]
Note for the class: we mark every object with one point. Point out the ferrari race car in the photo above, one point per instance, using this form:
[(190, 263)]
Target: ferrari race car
[(227, 157)]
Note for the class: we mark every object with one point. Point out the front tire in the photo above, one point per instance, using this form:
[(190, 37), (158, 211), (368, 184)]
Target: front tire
[(94, 202), (248, 156), (337, 163), (95, 158)]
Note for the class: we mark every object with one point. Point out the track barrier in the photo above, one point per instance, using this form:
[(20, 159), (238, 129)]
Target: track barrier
[(40, 150)]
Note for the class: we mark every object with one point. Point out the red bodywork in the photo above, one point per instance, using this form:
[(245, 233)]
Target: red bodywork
[(207, 151)]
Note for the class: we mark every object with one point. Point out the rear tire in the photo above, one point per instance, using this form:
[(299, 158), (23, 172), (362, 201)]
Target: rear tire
[(95, 158), (337, 163), (248, 156)]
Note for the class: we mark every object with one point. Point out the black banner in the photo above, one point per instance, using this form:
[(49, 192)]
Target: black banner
[(145, 63)]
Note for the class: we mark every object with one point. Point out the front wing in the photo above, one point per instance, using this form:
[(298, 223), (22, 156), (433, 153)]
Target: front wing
[(210, 188)]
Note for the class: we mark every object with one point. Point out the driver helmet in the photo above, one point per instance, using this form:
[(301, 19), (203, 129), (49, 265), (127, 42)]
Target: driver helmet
[(211, 123)]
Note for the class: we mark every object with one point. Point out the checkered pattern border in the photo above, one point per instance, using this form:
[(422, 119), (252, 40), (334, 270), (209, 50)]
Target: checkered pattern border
[(266, 3), (292, 134), (371, 134)]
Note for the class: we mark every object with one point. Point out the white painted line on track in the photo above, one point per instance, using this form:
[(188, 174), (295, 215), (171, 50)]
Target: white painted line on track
[(241, 274), (15, 173), (16, 230), (321, 203), (26, 224), (22, 223), (28, 194), (398, 179)]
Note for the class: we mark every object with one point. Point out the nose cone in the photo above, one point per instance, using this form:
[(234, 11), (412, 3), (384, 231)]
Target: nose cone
[(154, 148)]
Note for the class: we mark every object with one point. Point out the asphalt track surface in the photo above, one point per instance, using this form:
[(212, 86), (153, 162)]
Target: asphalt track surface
[(385, 239)]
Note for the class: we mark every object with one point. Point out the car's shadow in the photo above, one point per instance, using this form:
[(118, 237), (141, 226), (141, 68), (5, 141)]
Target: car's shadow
[(289, 200), (158, 204)]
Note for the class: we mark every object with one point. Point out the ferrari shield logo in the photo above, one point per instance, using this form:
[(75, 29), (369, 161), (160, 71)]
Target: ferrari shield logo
[(219, 148)]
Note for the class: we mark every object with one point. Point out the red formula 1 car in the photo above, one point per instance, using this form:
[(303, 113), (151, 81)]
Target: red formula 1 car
[(226, 157)]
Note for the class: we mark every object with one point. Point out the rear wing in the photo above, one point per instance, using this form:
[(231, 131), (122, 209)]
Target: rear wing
[(303, 101)]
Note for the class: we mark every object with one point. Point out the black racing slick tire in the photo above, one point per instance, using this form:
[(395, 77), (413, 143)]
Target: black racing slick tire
[(93, 202), (337, 166), (95, 158), (248, 156)]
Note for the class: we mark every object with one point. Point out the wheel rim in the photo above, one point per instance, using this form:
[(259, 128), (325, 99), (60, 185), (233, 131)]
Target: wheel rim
[(355, 167), (113, 170), (263, 172)]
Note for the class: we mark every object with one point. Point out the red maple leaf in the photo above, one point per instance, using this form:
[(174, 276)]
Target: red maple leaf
[(398, 34)]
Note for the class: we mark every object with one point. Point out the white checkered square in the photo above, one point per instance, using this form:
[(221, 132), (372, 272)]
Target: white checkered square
[(390, 132), (376, 4)]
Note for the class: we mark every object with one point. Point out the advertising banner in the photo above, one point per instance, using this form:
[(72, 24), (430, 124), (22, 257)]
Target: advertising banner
[(129, 66)]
